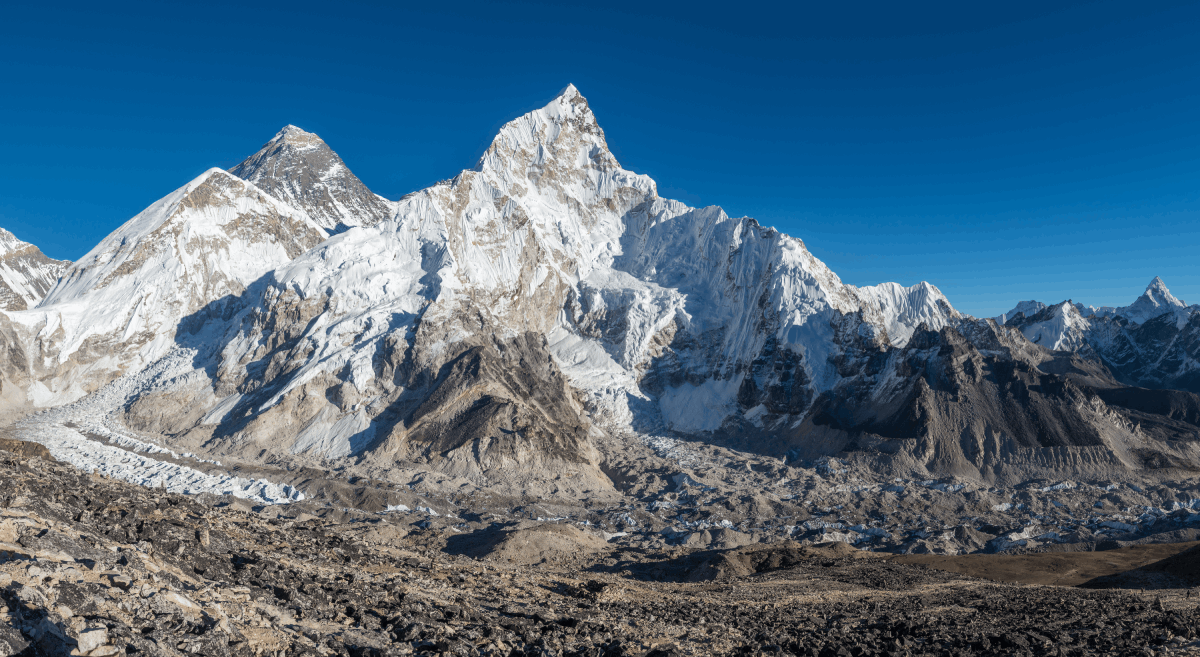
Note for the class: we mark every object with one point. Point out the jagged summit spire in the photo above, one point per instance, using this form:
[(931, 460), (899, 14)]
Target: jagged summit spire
[(1157, 286), (564, 131)]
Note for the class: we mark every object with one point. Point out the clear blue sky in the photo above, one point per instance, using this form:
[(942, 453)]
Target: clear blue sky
[(1018, 150)]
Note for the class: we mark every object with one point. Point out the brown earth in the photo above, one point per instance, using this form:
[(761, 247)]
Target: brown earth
[(1178, 571), (1047, 568)]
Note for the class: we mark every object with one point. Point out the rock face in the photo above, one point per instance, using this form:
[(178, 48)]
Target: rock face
[(26, 274), (299, 169)]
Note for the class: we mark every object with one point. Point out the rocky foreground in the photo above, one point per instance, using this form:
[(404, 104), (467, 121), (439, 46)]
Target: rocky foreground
[(93, 566)]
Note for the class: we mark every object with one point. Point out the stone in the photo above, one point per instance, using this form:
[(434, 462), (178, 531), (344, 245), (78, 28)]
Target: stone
[(89, 640)]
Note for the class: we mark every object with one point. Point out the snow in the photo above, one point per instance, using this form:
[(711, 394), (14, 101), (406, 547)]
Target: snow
[(902, 309), (1063, 329), (694, 408), (25, 271)]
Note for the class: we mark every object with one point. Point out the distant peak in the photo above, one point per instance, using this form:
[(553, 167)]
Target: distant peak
[(296, 136), (1157, 290)]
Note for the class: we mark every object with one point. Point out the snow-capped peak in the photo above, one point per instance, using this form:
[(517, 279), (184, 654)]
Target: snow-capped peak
[(26, 274), (901, 310), (10, 243), (1057, 327), (564, 132), (1155, 301)]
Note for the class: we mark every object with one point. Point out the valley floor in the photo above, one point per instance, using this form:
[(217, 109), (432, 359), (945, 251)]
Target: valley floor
[(101, 567)]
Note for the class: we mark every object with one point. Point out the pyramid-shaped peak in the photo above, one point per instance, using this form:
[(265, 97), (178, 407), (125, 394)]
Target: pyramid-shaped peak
[(298, 168), (572, 103), (1157, 291), (1157, 300)]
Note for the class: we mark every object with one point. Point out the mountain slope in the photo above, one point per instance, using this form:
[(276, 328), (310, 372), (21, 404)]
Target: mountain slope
[(118, 308), (26, 274), (299, 169)]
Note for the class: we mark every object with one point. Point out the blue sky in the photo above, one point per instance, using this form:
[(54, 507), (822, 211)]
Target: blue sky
[(1030, 150)]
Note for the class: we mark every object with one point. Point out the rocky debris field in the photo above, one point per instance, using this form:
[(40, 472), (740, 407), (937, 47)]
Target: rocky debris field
[(668, 493), (94, 566)]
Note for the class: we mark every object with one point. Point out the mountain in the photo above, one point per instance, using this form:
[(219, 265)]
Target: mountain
[(1152, 343), (299, 169), (118, 308), (502, 322), (503, 318), (26, 274), (1154, 302), (497, 329)]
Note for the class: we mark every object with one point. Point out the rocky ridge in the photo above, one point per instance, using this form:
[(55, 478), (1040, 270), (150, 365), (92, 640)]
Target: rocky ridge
[(666, 318), (299, 169), (119, 307)]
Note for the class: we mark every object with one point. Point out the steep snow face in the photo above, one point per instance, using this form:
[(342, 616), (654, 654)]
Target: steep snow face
[(1058, 327), (901, 310), (119, 306), (298, 168), (638, 296), (1157, 300), (26, 274)]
